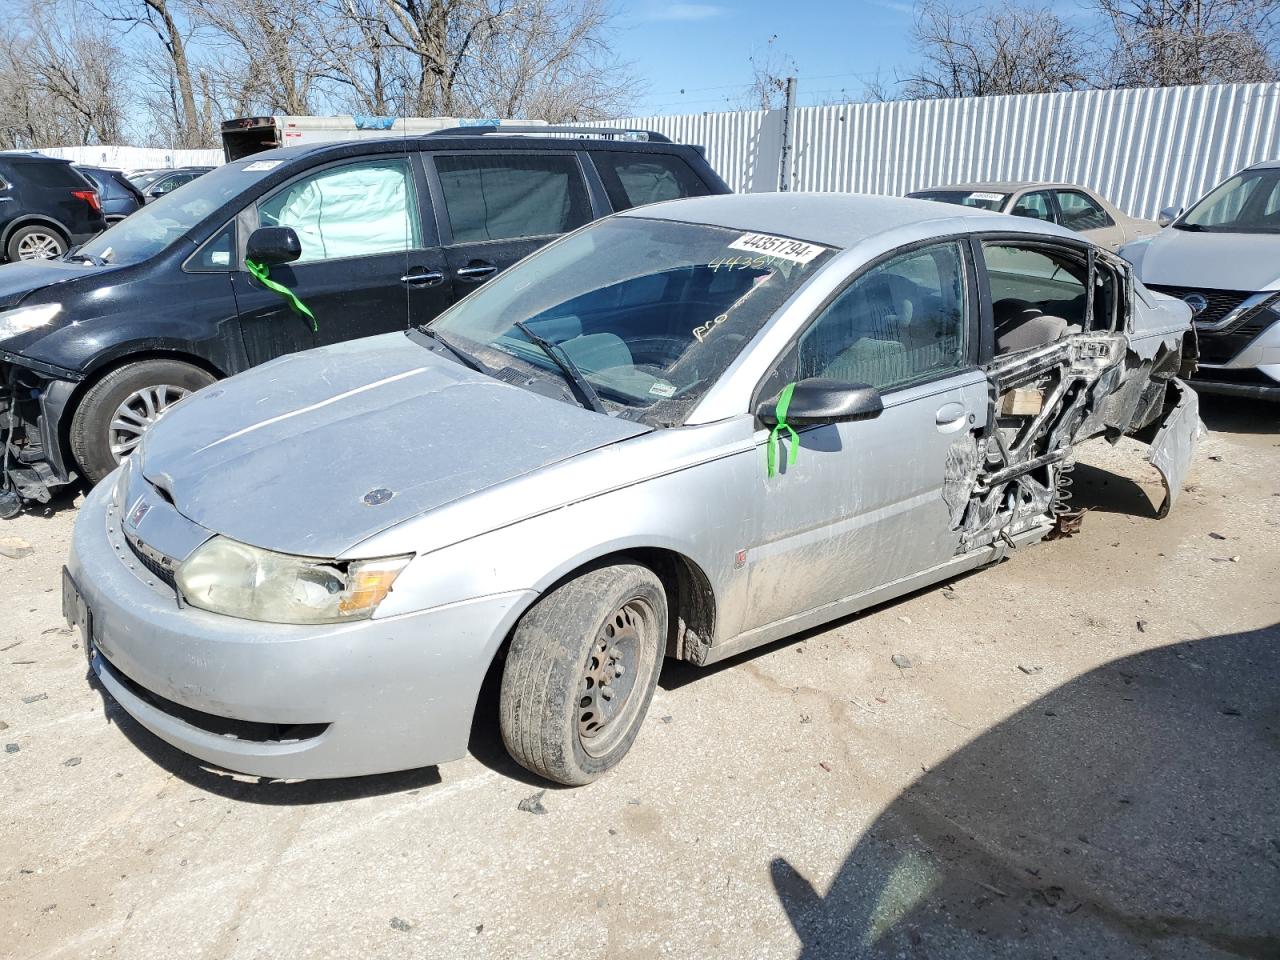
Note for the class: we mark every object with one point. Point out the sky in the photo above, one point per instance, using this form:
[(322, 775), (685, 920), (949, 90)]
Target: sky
[(702, 48)]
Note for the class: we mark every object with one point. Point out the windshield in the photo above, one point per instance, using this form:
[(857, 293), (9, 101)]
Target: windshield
[(1247, 203), (147, 231), (650, 311), (981, 199)]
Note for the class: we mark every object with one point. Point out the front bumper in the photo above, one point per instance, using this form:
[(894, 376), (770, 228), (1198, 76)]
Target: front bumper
[(33, 403), (281, 700)]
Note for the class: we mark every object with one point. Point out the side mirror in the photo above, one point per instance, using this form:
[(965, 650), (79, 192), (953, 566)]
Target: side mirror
[(1168, 215), (272, 245), (818, 401)]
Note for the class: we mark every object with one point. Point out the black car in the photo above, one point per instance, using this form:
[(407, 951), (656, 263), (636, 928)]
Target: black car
[(118, 196), (351, 238), (46, 207), (154, 184)]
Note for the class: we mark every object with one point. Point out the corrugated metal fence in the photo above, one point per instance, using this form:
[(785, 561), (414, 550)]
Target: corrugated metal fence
[(135, 158), (1143, 149)]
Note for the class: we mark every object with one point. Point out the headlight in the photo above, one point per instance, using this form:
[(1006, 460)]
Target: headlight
[(226, 576), (14, 322)]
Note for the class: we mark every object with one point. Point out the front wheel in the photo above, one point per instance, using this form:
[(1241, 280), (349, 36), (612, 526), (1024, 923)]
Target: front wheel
[(581, 671), (117, 410)]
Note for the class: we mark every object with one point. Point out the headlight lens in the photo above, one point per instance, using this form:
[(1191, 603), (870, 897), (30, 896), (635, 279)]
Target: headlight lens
[(14, 322), (233, 578)]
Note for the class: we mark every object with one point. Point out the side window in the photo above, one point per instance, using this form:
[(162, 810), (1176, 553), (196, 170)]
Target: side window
[(506, 196), (901, 321), (1081, 212), (216, 254), (1035, 205), (1038, 294), (634, 179), (355, 210)]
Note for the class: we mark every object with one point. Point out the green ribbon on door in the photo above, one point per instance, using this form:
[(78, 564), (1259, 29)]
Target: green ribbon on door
[(771, 448), (260, 271)]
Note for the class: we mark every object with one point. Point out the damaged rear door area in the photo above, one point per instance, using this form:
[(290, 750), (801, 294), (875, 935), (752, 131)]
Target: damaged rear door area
[(1076, 350)]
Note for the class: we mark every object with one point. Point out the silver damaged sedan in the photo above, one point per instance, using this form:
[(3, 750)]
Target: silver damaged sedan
[(683, 431)]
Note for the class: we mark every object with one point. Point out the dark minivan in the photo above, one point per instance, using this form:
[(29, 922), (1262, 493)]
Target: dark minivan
[(282, 251), (46, 207)]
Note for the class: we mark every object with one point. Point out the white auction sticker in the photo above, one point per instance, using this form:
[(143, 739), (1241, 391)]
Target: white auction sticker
[(784, 248), (986, 196), (262, 165)]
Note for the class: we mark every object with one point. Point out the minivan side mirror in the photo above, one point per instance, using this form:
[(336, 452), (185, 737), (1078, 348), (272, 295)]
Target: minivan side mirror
[(272, 245), (1168, 215), (820, 401)]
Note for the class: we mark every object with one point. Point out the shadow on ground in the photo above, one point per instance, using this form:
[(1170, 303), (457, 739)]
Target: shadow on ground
[(1239, 414), (1133, 811)]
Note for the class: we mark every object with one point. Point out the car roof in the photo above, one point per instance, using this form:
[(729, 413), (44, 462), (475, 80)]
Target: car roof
[(1001, 186), (1266, 165), (836, 219), (436, 141)]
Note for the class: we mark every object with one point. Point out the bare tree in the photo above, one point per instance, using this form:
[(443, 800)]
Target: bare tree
[(1000, 49), (1159, 43), (770, 68), (165, 19), (60, 80), (261, 54)]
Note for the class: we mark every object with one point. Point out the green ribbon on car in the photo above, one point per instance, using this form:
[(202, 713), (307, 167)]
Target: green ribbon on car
[(771, 448), (260, 271)]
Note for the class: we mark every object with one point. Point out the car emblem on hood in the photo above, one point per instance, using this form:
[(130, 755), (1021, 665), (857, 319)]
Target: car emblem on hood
[(139, 511), (1197, 302)]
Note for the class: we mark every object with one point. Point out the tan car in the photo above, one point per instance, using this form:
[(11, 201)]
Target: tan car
[(1071, 206)]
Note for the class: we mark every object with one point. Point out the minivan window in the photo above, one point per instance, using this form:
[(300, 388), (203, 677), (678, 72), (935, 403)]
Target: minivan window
[(154, 227), (358, 209), (505, 196), (651, 311), (634, 179)]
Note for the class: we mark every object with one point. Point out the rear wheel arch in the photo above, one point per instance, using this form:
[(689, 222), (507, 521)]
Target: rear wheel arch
[(32, 220)]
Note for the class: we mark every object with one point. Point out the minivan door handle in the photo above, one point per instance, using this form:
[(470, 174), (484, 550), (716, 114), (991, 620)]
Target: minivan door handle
[(950, 416), (476, 270), (428, 279)]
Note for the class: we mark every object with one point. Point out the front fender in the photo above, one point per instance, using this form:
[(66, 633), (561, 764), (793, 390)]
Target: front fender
[(700, 514)]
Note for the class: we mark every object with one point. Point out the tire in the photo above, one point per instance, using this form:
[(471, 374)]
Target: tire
[(36, 242), (551, 688), (96, 445)]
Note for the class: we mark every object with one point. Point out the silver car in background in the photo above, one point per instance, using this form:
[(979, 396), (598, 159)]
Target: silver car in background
[(683, 431), (1222, 258)]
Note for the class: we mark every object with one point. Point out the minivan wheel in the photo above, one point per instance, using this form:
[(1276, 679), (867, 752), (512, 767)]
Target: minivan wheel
[(117, 410), (581, 670), (36, 243)]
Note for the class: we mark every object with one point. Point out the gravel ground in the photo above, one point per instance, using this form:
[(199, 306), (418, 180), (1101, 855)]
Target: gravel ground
[(1080, 760)]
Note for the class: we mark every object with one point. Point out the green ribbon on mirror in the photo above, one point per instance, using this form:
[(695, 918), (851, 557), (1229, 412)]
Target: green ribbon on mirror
[(260, 271), (793, 447)]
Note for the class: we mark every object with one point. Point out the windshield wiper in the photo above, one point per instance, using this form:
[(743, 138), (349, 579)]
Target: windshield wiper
[(581, 386), (1191, 227), (465, 359), (85, 258)]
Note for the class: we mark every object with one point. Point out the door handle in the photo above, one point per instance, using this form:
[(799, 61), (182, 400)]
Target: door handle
[(476, 271), (431, 279), (950, 416)]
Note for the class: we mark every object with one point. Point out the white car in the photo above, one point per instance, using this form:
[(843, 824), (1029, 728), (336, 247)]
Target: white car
[(1222, 258)]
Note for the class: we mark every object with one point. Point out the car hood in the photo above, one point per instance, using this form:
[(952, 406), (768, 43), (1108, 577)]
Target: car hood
[(1217, 261), (314, 452), (24, 277)]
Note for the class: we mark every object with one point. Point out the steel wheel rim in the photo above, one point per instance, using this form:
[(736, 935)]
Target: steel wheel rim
[(611, 688), (38, 246), (138, 413)]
